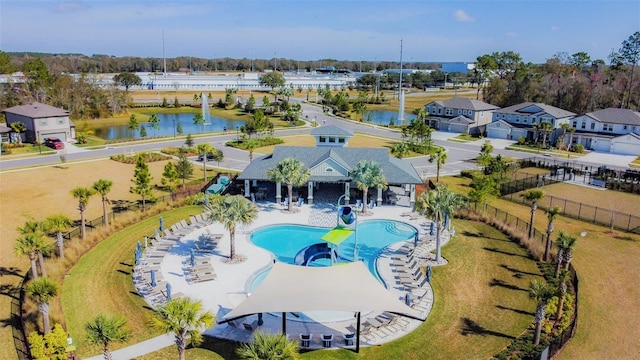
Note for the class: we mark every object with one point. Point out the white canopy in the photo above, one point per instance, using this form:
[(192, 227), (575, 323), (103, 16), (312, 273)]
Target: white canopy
[(348, 287)]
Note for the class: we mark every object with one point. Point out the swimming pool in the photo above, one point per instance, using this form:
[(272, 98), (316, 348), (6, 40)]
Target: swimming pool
[(285, 241)]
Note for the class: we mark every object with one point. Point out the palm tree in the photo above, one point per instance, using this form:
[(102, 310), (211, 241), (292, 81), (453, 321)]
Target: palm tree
[(368, 174), (58, 223), (104, 330), (42, 290), (439, 204), (541, 292), (563, 277), (231, 210), (533, 196), (292, 172), (546, 128), (571, 131), (82, 194), (552, 214), (565, 244), (185, 318), (440, 158), (19, 127), (103, 187), (268, 347), (38, 229), (29, 245), (250, 145), (204, 149), (564, 127)]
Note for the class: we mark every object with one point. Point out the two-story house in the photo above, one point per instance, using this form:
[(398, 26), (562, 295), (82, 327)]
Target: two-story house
[(41, 121), (609, 130), (518, 120), (460, 115)]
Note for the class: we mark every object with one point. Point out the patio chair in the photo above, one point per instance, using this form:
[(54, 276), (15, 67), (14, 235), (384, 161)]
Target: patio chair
[(252, 326), (285, 202), (348, 338), (305, 340), (300, 201), (358, 204), (327, 340)]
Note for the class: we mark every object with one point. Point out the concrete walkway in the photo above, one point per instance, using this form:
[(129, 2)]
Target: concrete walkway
[(139, 349)]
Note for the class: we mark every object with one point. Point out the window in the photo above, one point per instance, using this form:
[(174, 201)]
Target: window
[(533, 120), (583, 125), (439, 111), (625, 127), (517, 119), (449, 111), (60, 121), (332, 139), (574, 124), (328, 169), (43, 122), (341, 140), (593, 126), (323, 139), (459, 111)]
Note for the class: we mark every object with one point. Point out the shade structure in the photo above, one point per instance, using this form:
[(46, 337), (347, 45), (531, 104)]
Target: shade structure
[(291, 288), (337, 235)]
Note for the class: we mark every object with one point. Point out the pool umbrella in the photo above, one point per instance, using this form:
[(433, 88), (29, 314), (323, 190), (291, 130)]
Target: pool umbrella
[(168, 292), (153, 278), (432, 229), (429, 273), (193, 258), (206, 200), (136, 254), (138, 246), (161, 224), (446, 222)]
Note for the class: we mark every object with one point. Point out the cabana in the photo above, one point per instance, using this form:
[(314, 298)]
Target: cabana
[(348, 287)]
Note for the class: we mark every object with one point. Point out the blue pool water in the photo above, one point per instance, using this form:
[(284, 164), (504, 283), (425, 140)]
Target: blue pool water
[(284, 241)]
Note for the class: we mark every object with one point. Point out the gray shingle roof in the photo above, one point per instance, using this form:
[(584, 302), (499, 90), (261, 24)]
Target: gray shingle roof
[(551, 110), (36, 110), (465, 104), (616, 116), (396, 171), (331, 130)]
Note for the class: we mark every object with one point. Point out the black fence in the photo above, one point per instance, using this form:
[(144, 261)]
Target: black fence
[(17, 320), (528, 182), (593, 214), (558, 343)]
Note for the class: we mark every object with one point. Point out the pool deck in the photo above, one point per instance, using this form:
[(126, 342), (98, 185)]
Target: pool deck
[(229, 287)]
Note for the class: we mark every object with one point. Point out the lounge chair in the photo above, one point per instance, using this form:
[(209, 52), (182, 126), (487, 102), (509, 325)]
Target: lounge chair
[(300, 201), (327, 340), (194, 223), (359, 204), (171, 236), (285, 202), (348, 338), (252, 326), (305, 340)]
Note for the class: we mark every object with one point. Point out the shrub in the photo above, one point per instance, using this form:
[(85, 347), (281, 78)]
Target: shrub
[(521, 140), (131, 157), (578, 148)]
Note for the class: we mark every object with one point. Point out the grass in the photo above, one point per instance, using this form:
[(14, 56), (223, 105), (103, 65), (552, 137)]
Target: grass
[(609, 312), (603, 199), (463, 138), (481, 303), (552, 152), (635, 163)]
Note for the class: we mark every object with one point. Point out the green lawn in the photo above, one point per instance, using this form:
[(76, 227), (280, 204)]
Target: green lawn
[(100, 282), (481, 304)]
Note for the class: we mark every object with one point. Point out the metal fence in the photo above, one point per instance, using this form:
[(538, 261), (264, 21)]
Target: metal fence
[(594, 214), (528, 182), (557, 344)]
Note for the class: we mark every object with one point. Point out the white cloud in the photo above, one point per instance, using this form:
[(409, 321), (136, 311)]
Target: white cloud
[(462, 16)]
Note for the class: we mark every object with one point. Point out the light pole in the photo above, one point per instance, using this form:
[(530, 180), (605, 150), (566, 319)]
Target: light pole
[(174, 128)]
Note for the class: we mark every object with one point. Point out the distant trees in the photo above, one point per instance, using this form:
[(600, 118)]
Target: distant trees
[(273, 80)]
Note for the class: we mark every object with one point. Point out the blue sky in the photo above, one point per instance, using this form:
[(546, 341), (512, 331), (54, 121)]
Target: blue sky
[(309, 30)]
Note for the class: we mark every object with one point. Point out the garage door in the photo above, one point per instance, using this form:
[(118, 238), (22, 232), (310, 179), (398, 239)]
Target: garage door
[(602, 145), (62, 136), (497, 133), (458, 128), (626, 149)]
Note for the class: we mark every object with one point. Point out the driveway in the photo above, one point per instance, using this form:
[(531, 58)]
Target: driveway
[(600, 158)]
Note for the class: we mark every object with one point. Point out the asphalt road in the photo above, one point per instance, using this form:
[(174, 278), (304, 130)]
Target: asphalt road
[(458, 154)]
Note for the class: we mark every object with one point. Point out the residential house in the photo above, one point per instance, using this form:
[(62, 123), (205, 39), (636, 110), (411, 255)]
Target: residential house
[(462, 115), (41, 121), (609, 130), (518, 120)]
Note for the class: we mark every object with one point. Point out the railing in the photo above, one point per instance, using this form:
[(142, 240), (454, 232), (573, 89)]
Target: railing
[(558, 343), (586, 212), (18, 327)]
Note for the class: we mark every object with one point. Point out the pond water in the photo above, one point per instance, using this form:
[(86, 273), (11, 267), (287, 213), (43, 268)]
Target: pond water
[(382, 117), (168, 124)]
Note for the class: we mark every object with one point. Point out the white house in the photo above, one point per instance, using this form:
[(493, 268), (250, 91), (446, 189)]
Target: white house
[(522, 117), (462, 115), (609, 130)]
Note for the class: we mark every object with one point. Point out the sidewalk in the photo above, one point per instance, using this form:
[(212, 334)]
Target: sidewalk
[(139, 349)]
